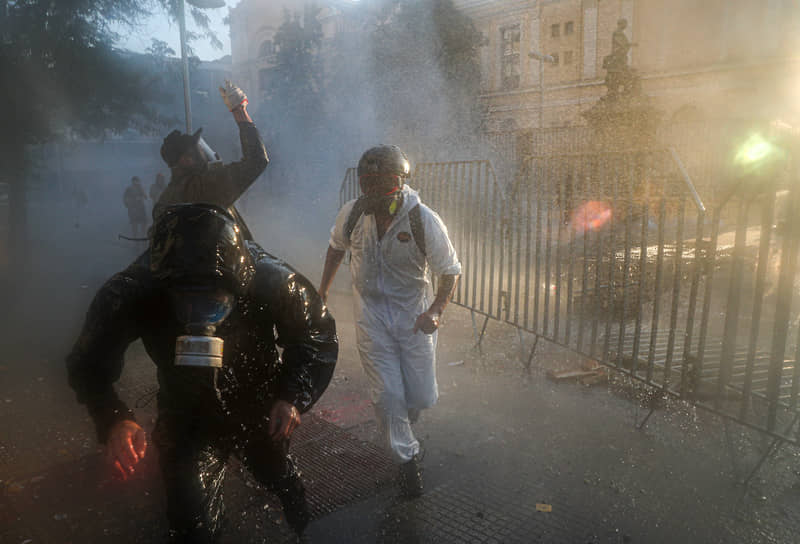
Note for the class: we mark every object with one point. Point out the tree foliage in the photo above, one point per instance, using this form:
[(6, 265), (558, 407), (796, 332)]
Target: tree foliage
[(61, 75), (290, 112), (426, 69), (61, 70), (159, 50), (406, 72), (293, 85)]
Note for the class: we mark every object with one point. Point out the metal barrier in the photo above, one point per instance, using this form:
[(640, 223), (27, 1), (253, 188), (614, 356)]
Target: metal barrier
[(704, 146), (349, 188), (468, 198), (614, 255), (615, 247)]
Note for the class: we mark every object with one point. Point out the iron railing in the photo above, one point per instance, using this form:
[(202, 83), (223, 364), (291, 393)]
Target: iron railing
[(615, 256)]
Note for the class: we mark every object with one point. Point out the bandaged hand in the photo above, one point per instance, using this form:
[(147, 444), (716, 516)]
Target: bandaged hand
[(233, 96)]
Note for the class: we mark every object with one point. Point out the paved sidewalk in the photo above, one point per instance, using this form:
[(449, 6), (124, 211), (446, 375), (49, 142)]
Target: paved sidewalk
[(507, 460)]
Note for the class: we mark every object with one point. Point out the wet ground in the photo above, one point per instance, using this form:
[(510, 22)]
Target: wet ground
[(510, 456)]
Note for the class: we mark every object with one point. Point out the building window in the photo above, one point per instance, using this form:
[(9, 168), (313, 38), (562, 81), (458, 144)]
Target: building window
[(509, 64), (569, 28), (555, 30), (555, 58), (567, 57), (266, 49)]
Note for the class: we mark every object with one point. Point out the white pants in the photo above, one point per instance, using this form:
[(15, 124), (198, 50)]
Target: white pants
[(401, 368)]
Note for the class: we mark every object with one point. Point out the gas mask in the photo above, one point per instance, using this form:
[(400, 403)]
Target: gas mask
[(200, 310), (381, 171), (177, 144), (388, 201), (203, 157), (198, 255), (209, 155)]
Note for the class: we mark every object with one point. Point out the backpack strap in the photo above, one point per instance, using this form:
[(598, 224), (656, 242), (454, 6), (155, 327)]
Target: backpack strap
[(417, 231), (414, 218), (355, 214)]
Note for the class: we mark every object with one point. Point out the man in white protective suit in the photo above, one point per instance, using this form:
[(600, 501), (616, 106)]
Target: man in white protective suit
[(394, 240)]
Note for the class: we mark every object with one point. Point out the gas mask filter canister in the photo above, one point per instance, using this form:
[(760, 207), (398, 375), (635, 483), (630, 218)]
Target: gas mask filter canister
[(203, 351), (201, 311)]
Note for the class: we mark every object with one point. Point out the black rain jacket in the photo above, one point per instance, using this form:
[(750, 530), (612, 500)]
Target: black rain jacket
[(280, 309)]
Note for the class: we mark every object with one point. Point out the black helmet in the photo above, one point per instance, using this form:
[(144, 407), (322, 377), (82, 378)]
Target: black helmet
[(384, 160), (200, 244), (176, 144)]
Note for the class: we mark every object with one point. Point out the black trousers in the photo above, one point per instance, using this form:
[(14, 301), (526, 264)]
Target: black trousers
[(193, 453)]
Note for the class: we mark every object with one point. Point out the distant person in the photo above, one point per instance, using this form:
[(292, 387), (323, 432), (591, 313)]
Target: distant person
[(157, 188), (394, 241), (133, 199), (197, 174)]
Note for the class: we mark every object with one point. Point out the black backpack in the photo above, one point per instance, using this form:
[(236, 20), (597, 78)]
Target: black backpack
[(414, 217)]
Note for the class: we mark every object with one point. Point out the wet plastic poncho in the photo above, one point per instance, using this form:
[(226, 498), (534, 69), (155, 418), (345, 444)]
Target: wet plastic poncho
[(201, 422), (391, 288), (131, 306)]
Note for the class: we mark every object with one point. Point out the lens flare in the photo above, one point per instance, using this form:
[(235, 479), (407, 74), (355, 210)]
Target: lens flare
[(591, 216), (758, 156), (755, 149)]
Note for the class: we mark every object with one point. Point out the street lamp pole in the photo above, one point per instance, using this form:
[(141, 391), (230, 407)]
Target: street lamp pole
[(187, 97), (542, 59)]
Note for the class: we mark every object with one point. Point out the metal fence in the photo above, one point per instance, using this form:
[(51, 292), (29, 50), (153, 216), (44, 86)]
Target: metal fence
[(704, 147), (617, 258), (614, 255), (349, 188), (467, 196), (620, 261)]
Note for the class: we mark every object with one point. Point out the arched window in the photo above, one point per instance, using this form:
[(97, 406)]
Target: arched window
[(266, 49)]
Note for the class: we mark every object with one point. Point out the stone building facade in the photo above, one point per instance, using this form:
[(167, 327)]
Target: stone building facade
[(698, 60), (729, 59), (253, 24)]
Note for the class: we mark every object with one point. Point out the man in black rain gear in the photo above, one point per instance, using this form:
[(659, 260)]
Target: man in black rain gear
[(200, 286)]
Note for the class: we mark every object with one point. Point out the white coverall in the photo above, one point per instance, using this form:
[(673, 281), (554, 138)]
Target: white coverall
[(391, 287)]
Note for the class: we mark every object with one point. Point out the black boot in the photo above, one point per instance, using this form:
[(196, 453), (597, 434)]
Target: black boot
[(295, 507), (411, 478)]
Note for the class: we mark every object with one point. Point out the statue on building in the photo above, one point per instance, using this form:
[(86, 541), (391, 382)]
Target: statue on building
[(625, 118), (620, 78)]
